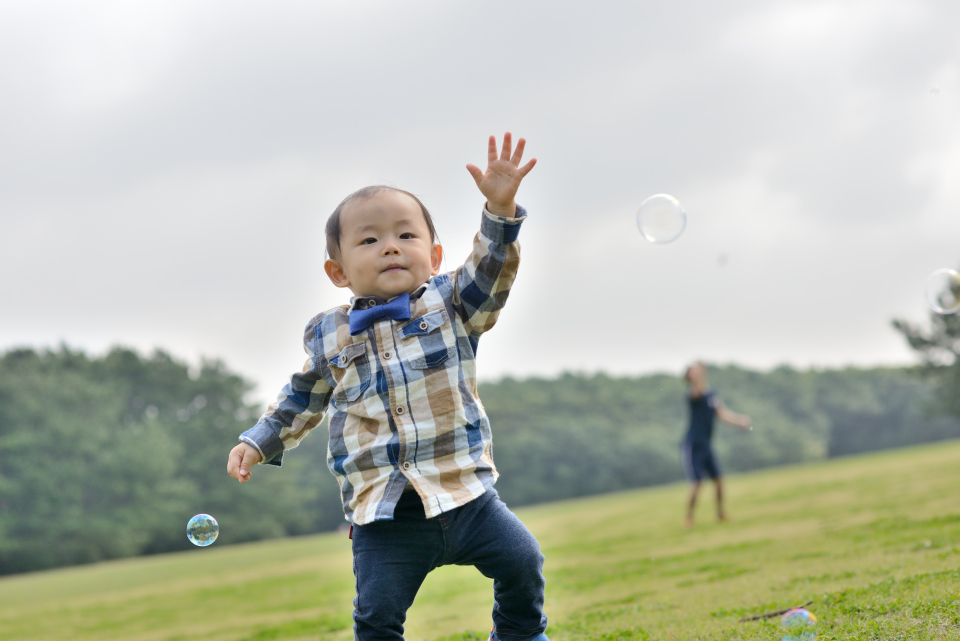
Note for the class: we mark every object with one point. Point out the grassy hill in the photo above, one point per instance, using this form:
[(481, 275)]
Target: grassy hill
[(873, 540)]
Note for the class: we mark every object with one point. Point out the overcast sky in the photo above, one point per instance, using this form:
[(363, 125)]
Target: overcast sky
[(166, 170)]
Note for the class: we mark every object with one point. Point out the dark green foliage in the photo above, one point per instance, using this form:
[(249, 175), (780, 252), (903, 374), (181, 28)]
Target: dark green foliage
[(109, 457), (578, 435), (939, 346)]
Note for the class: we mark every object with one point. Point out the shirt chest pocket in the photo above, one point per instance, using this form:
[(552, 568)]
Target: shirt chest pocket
[(428, 341), (351, 368)]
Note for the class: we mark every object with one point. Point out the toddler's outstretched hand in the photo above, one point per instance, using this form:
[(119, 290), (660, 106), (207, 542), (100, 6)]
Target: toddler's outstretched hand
[(242, 458), (502, 178)]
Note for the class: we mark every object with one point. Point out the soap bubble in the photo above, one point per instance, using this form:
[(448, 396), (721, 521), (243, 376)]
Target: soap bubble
[(943, 291), (799, 625), (202, 530), (661, 219), (935, 90)]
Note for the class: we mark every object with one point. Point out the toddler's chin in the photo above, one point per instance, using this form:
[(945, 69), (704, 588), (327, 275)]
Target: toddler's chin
[(399, 289)]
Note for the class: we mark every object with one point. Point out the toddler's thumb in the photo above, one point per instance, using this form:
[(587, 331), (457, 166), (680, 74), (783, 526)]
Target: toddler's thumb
[(476, 172)]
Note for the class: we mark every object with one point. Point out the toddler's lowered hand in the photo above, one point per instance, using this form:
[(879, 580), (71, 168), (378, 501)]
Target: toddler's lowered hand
[(242, 458)]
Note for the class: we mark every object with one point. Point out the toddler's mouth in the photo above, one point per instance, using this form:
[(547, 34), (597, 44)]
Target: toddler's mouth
[(393, 267)]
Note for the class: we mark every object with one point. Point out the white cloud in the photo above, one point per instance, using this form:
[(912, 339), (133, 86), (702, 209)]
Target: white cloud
[(168, 169), (827, 35)]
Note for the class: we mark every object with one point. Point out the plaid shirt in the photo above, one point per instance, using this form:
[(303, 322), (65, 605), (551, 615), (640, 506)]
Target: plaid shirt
[(402, 395)]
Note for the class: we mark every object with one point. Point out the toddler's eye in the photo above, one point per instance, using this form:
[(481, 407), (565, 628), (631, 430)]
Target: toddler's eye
[(406, 236), (368, 241)]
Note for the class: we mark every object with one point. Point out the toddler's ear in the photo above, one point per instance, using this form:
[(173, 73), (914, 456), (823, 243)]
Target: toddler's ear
[(335, 273), (436, 258)]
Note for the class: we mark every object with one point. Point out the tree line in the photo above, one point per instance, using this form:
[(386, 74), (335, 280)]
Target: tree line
[(108, 456)]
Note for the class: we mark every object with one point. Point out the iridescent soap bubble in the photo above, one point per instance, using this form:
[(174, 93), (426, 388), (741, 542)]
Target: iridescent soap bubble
[(943, 291), (202, 530), (661, 219), (799, 625)]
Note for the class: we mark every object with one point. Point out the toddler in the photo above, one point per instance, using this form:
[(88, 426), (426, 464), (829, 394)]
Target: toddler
[(410, 443)]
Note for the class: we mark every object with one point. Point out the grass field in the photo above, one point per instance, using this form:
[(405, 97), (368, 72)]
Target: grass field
[(873, 541)]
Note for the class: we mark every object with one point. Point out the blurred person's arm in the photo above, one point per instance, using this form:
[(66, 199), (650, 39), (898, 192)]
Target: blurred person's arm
[(727, 416)]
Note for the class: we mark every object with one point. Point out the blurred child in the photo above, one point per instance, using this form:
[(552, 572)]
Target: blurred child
[(699, 461), (410, 443)]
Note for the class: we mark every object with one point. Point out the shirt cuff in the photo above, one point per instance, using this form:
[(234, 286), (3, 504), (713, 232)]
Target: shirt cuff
[(266, 442), (501, 229)]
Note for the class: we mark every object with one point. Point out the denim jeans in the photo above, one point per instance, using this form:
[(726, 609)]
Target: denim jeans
[(391, 559)]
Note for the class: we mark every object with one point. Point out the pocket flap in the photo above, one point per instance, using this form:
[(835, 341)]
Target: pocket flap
[(424, 324), (350, 352), (431, 360)]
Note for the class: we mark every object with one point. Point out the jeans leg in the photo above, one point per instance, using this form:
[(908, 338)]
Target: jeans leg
[(491, 537), (390, 561)]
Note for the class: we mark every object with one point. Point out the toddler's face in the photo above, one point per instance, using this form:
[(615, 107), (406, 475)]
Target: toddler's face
[(385, 247)]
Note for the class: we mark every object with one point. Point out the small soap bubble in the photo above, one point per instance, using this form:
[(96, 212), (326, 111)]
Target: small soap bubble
[(943, 291), (799, 625), (935, 90), (661, 219), (202, 530)]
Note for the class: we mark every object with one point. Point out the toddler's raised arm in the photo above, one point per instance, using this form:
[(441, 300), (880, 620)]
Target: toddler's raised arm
[(484, 281)]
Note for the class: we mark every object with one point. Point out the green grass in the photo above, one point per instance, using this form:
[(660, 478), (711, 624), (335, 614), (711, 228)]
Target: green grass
[(874, 541)]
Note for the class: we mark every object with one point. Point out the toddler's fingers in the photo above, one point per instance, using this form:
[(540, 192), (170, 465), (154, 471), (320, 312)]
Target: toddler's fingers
[(526, 168), (476, 173), (492, 149), (507, 147), (233, 465), (244, 473), (518, 152)]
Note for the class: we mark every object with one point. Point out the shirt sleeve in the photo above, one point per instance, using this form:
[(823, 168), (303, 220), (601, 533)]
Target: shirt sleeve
[(298, 409), (483, 282)]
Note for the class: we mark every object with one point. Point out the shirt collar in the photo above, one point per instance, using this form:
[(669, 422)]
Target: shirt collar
[(366, 302)]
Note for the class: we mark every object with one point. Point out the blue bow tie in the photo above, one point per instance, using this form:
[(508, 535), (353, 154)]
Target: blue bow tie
[(397, 309)]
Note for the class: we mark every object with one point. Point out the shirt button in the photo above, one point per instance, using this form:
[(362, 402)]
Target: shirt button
[(343, 360), (387, 355), (406, 465), (400, 409), (372, 303), (423, 325)]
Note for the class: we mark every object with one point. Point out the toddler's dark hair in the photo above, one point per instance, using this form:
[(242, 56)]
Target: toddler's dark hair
[(333, 223)]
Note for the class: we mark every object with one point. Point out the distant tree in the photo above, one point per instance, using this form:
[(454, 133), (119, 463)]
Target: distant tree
[(939, 347), (107, 457)]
